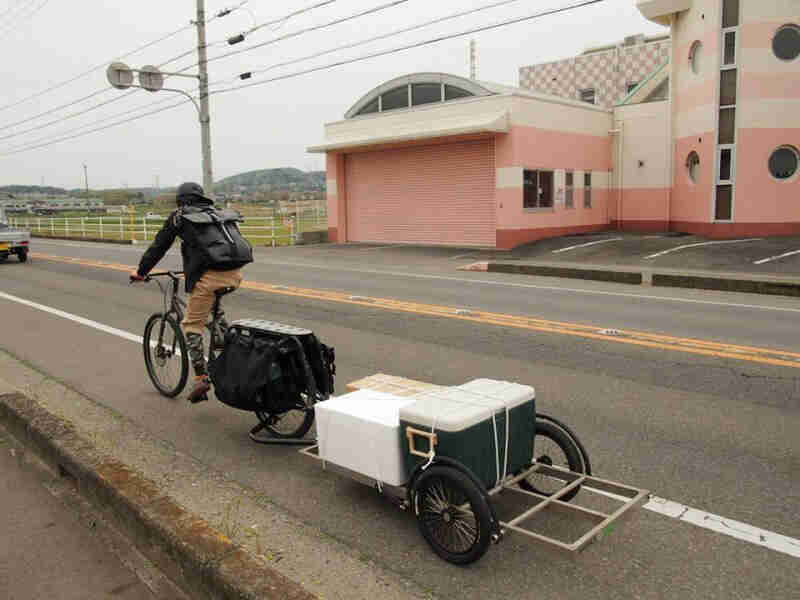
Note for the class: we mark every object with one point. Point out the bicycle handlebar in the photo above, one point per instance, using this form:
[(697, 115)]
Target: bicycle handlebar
[(171, 274)]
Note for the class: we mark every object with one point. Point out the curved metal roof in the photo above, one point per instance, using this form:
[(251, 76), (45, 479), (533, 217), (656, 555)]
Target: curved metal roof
[(473, 87)]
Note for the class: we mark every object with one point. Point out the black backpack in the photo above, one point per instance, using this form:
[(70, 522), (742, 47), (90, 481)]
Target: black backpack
[(216, 234)]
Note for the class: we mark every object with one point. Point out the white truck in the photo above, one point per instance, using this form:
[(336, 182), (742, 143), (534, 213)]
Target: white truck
[(12, 241)]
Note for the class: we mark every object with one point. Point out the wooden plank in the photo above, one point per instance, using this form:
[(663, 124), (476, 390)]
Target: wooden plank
[(391, 384)]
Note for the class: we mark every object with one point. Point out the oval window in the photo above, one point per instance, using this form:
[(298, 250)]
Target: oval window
[(696, 56), (783, 162), (693, 166), (786, 43)]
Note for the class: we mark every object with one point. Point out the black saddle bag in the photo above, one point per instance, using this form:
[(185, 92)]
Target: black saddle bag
[(269, 367)]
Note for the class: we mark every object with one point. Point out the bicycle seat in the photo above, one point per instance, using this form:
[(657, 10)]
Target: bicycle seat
[(222, 291)]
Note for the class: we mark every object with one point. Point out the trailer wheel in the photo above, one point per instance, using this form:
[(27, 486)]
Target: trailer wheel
[(453, 515), (553, 447)]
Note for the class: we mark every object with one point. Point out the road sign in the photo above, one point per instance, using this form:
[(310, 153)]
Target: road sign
[(150, 78), (119, 75)]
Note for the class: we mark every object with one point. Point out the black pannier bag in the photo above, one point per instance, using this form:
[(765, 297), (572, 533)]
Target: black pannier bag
[(267, 366)]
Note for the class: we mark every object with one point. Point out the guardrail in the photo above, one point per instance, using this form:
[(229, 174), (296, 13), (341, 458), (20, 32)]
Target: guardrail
[(259, 231)]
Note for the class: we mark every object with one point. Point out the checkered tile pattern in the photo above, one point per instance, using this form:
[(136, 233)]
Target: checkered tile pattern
[(608, 72)]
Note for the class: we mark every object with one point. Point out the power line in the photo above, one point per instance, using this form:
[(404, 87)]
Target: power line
[(13, 8), (219, 14), (414, 45), (97, 122), (122, 122), (284, 18), (310, 29), (314, 69), (379, 37)]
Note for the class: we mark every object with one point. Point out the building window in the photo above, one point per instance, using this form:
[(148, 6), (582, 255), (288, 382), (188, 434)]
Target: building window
[(729, 48), (786, 43), (587, 189), (724, 205), (537, 189), (569, 189), (693, 166), (396, 98), (727, 125), (730, 13), (452, 92), (725, 165), (425, 93), (727, 87), (372, 107), (587, 95), (783, 162), (696, 56)]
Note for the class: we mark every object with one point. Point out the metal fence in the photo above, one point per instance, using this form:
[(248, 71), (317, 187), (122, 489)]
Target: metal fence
[(260, 231)]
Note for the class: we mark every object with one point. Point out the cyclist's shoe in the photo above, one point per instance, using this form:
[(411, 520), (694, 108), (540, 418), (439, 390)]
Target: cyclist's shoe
[(199, 392)]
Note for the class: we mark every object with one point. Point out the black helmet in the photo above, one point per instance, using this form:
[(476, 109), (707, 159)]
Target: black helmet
[(189, 193)]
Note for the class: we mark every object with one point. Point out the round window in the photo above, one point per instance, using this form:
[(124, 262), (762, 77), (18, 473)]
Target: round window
[(693, 166), (783, 162), (786, 43), (696, 56)]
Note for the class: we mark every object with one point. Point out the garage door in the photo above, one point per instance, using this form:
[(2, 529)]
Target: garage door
[(441, 194)]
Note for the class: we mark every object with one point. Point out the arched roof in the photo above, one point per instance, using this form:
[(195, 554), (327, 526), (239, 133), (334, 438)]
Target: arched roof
[(469, 86)]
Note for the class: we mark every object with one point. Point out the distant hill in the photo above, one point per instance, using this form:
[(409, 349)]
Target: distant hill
[(277, 178), (33, 189)]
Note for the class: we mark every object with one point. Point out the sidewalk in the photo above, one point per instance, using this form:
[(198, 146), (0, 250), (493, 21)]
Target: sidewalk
[(46, 549)]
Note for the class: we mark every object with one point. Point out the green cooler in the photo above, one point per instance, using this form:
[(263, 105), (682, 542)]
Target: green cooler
[(467, 423)]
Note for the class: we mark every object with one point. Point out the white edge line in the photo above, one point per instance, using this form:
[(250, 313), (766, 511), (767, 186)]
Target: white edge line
[(676, 248), (616, 239), (771, 258), (712, 522), (736, 529)]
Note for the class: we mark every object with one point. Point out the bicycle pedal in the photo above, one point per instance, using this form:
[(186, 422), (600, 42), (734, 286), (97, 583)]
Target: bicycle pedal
[(199, 399)]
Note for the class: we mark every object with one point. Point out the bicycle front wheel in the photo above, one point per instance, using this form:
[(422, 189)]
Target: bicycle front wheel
[(165, 355)]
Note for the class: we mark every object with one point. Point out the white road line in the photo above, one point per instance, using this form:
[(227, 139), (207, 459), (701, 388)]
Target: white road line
[(669, 508), (528, 286), (736, 529), (771, 258), (676, 248), (616, 239)]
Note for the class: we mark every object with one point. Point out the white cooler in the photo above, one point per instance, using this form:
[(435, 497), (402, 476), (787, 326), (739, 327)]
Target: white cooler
[(361, 432)]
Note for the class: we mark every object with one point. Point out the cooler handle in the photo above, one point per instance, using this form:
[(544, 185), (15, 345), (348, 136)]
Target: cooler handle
[(433, 439)]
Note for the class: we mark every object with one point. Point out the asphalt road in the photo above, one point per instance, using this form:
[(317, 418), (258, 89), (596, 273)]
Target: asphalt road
[(717, 434)]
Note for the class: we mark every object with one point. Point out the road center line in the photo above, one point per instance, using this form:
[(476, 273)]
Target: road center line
[(529, 286), (669, 508)]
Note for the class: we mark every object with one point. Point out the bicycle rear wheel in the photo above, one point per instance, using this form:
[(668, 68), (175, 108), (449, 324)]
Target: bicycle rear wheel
[(288, 424), (165, 355)]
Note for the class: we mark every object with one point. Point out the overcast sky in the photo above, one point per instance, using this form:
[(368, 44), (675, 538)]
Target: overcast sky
[(261, 127)]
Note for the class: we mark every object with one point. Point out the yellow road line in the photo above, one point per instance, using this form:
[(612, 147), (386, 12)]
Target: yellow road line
[(637, 338)]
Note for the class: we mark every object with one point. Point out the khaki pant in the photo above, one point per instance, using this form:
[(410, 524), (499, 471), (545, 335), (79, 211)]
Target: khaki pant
[(201, 301)]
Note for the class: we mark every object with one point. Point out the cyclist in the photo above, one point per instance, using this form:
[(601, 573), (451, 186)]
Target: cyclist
[(213, 254)]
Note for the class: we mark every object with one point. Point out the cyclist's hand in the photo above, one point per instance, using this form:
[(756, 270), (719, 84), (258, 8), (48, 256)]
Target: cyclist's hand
[(134, 277)]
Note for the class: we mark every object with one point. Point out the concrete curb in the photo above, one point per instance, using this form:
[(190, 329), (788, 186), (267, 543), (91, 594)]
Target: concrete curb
[(694, 280), (195, 556), (751, 286), (616, 276), (82, 239)]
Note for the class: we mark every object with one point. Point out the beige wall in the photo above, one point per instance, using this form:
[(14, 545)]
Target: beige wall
[(644, 137)]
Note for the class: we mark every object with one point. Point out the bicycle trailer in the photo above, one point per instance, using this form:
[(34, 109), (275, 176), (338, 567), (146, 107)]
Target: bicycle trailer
[(459, 457)]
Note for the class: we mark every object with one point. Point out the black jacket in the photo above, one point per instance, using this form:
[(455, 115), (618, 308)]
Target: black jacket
[(194, 263)]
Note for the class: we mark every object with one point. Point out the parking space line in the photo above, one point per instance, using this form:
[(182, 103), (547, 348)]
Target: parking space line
[(771, 258), (676, 248), (616, 239), (669, 508)]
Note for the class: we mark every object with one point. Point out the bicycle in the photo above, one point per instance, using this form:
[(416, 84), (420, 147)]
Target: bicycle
[(167, 362)]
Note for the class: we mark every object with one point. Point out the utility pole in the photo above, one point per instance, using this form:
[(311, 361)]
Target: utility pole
[(473, 60), (205, 118), (86, 180)]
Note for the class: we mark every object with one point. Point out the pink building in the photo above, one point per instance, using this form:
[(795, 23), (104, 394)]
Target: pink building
[(706, 144)]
